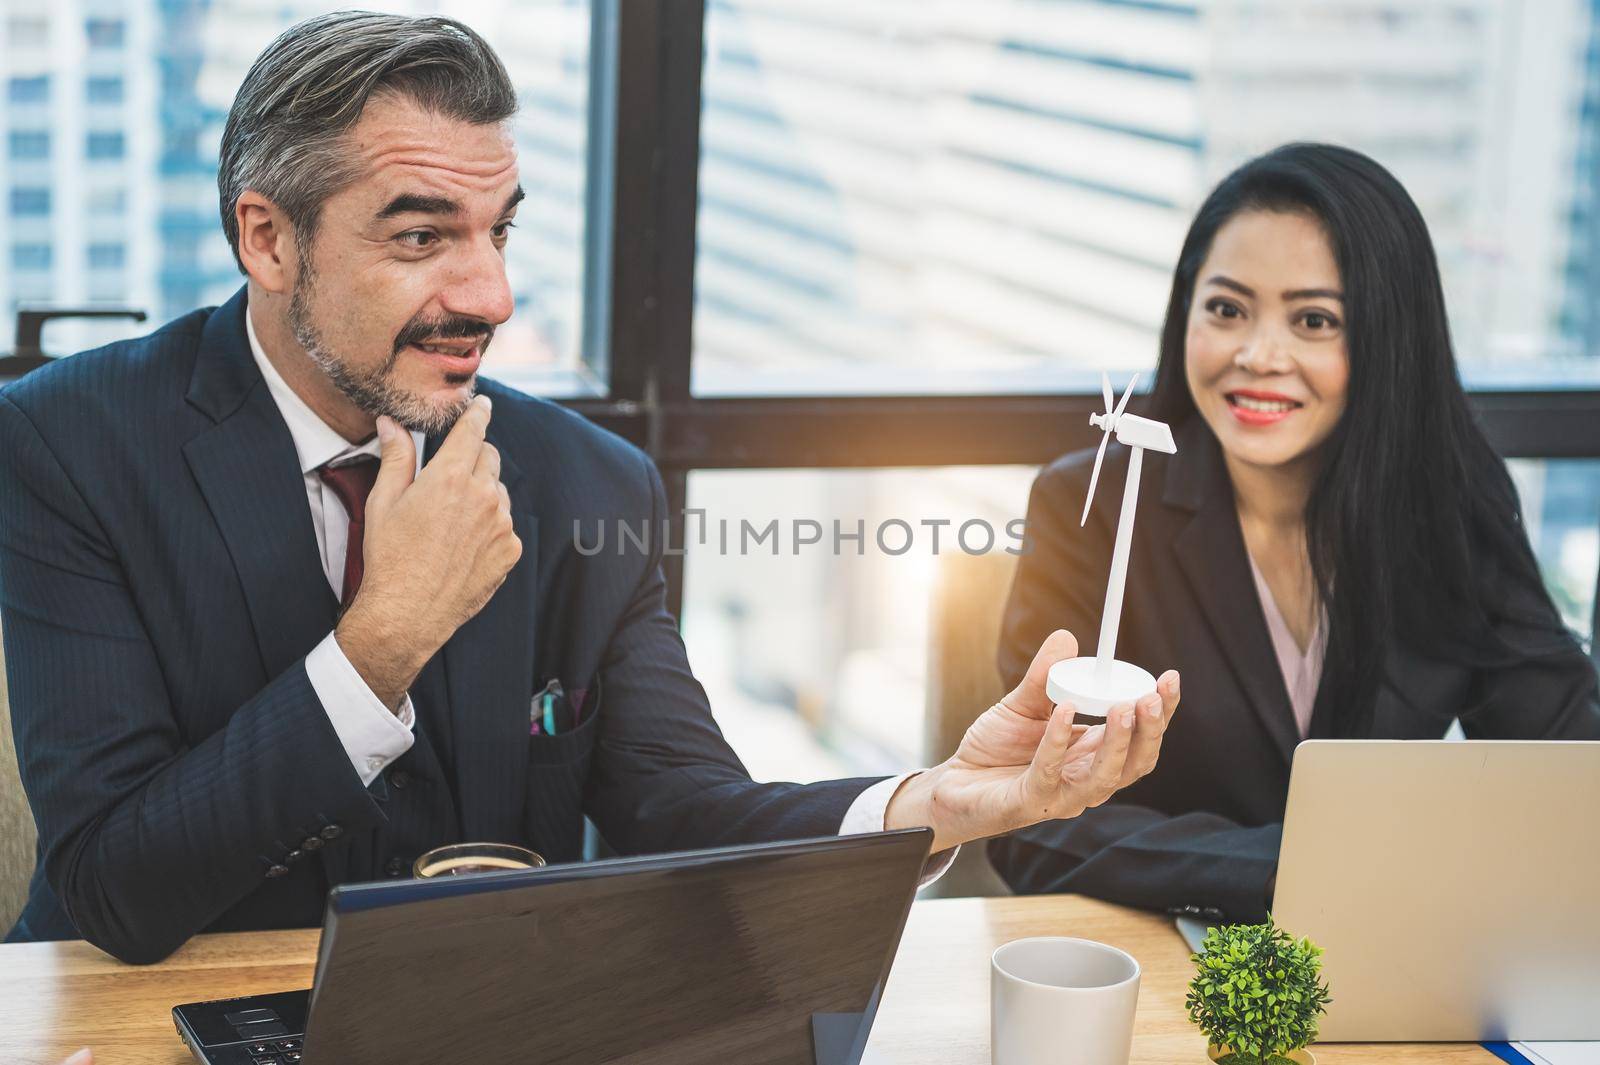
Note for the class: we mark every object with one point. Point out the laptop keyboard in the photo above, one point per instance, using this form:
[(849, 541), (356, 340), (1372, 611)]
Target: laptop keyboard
[(274, 1052)]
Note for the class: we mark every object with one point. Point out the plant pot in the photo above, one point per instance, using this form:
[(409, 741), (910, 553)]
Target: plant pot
[(1299, 1057)]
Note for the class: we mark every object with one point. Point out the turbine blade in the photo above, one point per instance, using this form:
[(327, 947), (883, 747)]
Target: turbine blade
[(1126, 395), (1105, 389), (1094, 478)]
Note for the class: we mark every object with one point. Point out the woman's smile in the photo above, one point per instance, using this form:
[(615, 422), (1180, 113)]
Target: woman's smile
[(1256, 408)]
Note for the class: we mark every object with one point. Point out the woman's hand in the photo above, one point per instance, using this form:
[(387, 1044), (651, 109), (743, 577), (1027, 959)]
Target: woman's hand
[(1025, 761)]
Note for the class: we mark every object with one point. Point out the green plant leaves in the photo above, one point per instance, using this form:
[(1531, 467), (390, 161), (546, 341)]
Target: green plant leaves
[(1257, 991)]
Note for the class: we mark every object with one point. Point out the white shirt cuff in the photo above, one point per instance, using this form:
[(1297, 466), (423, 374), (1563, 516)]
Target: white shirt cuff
[(866, 814), (372, 736)]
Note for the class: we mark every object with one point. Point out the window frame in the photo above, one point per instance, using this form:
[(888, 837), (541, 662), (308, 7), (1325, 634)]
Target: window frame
[(636, 351), (645, 107)]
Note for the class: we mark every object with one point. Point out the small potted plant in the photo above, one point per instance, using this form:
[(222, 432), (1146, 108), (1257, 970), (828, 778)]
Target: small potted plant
[(1256, 994)]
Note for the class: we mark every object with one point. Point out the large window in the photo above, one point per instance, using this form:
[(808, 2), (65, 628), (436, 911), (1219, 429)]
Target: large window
[(172, 69), (809, 603), (986, 201), (914, 197), (816, 646), (1561, 504), (833, 261)]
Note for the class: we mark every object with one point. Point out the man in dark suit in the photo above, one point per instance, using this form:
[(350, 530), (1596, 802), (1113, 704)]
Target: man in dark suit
[(286, 604)]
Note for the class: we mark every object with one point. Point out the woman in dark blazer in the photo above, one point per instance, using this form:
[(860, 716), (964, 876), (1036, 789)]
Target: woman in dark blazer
[(1334, 551)]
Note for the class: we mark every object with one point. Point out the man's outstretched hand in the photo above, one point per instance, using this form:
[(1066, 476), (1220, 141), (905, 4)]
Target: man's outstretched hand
[(1025, 761)]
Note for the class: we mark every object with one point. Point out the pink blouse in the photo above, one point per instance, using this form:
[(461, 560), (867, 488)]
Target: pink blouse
[(1301, 668)]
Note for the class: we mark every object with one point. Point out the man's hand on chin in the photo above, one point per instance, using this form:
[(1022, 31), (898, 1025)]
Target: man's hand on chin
[(1024, 761)]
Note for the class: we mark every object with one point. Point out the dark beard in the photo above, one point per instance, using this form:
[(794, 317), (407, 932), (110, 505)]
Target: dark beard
[(374, 391)]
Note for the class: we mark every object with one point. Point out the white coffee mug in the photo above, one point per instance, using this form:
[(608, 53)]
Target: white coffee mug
[(1059, 1001)]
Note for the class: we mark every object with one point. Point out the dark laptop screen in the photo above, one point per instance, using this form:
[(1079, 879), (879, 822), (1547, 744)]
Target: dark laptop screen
[(771, 954)]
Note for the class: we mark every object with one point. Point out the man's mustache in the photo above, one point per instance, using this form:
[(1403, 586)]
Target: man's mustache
[(451, 327)]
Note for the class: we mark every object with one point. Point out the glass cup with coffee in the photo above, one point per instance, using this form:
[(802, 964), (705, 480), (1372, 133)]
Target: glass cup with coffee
[(467, 859)]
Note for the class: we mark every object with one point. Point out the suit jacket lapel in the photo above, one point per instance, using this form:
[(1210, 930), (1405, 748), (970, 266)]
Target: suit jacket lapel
[(247, 469), (249, 473), (488, 667), (1210, 550)]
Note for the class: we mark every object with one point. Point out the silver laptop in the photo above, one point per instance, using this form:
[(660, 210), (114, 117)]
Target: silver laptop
[(1454, 887)]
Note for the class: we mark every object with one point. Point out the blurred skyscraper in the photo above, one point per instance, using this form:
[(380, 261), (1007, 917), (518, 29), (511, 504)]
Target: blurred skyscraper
[(79, 176), (968, 196), (1580, 318), (196, 267), (948, 196), (112, 114)]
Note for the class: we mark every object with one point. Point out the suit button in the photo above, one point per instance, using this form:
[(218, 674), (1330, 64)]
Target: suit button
[(311, 843), (275, 871), (396, 867), (400, 778), (294, 856), (332, 832)]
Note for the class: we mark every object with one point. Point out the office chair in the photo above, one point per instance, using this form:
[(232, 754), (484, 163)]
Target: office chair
[(16, 822), (969, 597), (28, 355)]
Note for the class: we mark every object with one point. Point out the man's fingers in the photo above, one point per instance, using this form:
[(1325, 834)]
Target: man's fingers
[(1029, 697), (488, 461), (1168, 686), (462, 446), (1146, 744), (1086, 739), (397, 463), (1044, 773), (1155, 714), (1105, 774)]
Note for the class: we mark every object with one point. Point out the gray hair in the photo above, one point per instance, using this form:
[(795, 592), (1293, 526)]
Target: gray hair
[(286, 130)]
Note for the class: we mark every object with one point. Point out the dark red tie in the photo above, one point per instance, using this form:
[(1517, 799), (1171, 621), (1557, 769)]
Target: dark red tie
[(352, 483)]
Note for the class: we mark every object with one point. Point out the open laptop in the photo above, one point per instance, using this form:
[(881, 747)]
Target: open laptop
[(773, 954), (1454, 887)]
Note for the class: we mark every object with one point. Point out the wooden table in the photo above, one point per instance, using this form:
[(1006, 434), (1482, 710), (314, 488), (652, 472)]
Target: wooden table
[(56, 997)]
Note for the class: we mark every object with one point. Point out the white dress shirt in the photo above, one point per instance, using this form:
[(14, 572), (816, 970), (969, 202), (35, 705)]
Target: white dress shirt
[(372, 736)]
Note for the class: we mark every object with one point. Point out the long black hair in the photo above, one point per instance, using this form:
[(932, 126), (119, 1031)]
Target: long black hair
[(1413, 526)]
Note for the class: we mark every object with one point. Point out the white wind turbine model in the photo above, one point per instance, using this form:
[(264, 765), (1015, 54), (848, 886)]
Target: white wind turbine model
[(1094, 685)]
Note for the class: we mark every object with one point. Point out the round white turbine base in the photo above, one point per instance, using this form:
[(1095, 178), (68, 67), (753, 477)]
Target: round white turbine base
[(1072, 682)]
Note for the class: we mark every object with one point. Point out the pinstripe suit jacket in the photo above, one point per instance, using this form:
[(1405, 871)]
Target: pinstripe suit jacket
[(160, 587)]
